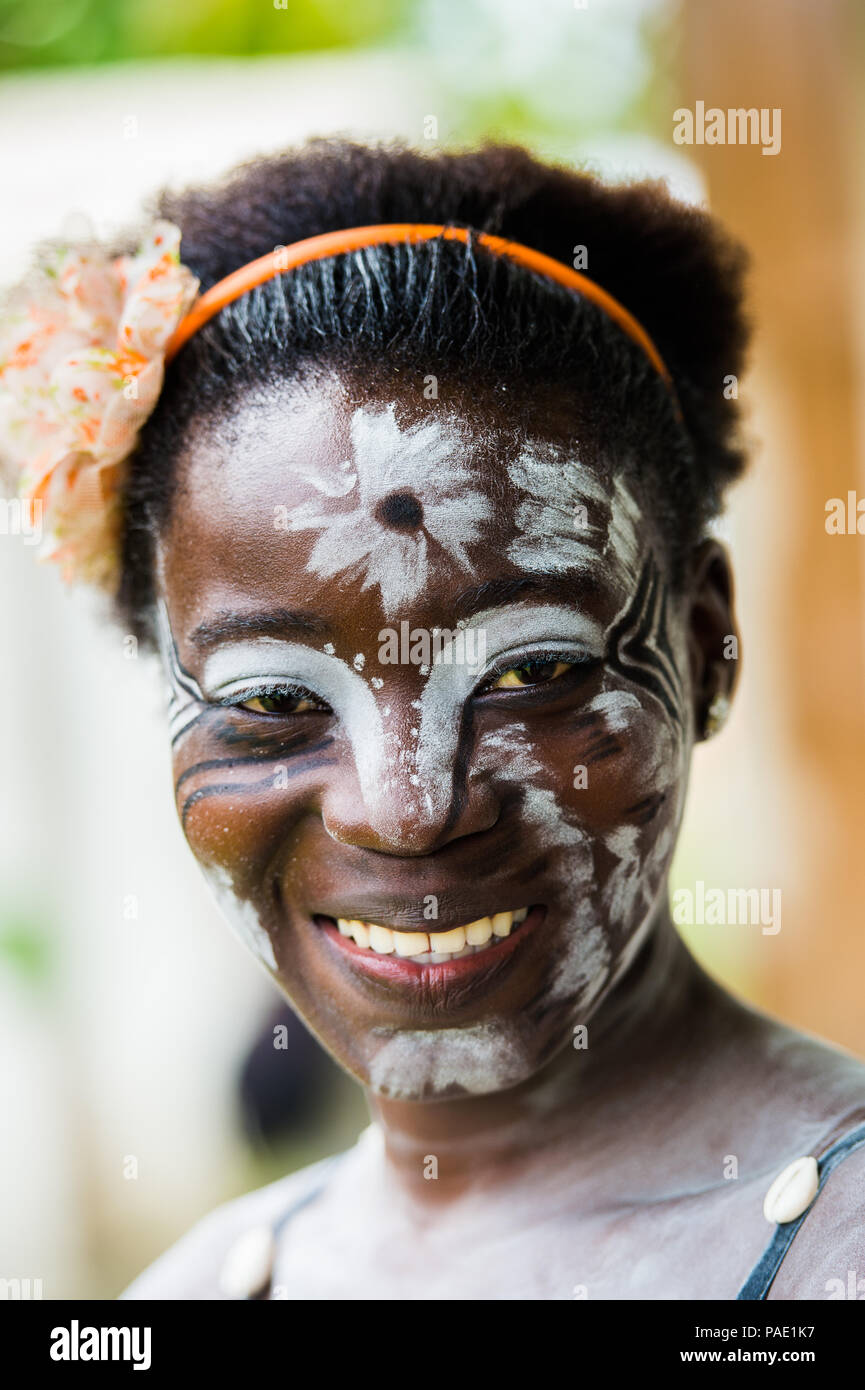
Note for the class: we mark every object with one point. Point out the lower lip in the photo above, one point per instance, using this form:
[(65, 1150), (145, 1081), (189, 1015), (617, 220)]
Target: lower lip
[(402, 970)]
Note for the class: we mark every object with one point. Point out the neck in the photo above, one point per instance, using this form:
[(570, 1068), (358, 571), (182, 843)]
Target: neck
[(632, 1036)]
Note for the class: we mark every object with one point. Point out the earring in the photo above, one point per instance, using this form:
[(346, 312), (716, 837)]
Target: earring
[(716, 716)]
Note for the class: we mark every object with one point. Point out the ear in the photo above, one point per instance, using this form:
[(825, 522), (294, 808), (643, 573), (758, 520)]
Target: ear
[(713, 639)]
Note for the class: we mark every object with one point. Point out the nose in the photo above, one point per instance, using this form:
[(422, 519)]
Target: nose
[(416, 804)]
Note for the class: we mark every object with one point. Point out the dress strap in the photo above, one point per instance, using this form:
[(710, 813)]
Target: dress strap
[(759, 1281), (326, 1168), (247, 1266)]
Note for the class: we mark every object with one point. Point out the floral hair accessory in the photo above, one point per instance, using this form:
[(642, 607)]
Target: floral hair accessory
[(82, 347)]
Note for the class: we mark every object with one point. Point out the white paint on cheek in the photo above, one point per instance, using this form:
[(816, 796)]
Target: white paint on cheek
[(240, 915), (617, 707), (625, 883), (583, 970)]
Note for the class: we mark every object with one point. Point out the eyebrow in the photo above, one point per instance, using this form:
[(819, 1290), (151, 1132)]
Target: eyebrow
[(495, 593), (277, 622)]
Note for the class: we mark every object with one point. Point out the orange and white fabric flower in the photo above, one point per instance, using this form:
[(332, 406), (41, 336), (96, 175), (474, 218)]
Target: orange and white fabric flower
[(82, 349)]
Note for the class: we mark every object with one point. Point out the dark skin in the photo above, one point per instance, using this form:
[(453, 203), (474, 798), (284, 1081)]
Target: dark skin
[(604, 1164)]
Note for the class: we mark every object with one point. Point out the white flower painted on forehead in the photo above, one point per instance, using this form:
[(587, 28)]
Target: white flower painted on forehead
[(409, 494)]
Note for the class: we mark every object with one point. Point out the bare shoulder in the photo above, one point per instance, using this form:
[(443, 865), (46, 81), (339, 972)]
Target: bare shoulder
[(191, 1268), (793, 1087), (818, 1092), (826, 1260)]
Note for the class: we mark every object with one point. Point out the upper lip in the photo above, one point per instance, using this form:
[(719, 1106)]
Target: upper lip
[(451, 911)]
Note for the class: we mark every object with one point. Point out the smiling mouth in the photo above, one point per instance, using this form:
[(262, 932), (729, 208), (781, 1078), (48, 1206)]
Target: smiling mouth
[(485, 934)]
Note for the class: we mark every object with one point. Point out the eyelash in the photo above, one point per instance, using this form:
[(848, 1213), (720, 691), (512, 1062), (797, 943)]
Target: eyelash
[(273, 689), (572, 658)]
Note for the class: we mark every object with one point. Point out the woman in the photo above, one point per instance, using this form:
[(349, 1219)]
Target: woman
[(417, 523)]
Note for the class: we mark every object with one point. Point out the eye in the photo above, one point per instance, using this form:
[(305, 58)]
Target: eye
[(539, 671), (277, 700), (279, 704)]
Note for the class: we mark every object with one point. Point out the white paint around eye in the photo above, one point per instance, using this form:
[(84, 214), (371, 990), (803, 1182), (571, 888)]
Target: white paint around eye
[(332, 679), (234, 665), (448, 687)]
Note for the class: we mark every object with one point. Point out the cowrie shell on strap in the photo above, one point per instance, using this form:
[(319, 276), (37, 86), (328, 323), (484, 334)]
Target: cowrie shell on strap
[(793, 1191), (247, 1267)]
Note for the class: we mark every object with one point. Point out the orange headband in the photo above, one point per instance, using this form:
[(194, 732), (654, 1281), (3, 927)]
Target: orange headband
[(316, 248)]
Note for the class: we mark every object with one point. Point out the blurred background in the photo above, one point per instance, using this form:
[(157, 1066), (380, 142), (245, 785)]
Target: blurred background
[(138, 1083)]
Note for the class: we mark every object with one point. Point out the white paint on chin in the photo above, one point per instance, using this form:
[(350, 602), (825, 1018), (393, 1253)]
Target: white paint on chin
[(240, 915), (414, 1064)]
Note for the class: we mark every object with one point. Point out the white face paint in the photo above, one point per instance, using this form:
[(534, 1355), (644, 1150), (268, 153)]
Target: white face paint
[(233, 670), (425, 461), (606, 923), (415, 1062), (567, 519), (241, 916), (406, 758), (519, 629)]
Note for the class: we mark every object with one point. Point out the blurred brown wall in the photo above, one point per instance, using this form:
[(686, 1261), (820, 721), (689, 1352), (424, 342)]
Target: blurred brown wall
[(800, 213)]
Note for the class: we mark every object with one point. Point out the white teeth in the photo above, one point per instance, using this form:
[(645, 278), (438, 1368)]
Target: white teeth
[(448, 943), (435, 947), (411, 943), (381, 939), (478, 933), (360, 932)]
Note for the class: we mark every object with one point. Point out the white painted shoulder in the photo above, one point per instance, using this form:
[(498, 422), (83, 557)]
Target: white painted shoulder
[(228, 1250)]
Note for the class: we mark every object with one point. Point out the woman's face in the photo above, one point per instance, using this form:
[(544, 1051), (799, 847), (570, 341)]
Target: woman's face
[(336, 762)]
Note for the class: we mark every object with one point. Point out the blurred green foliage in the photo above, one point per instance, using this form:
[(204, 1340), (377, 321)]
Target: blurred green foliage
[(553, 74), (25, 947), (49, 33)]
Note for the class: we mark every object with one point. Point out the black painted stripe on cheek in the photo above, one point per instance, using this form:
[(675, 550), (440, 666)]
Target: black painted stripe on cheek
[(252, 759), (240, 788)]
